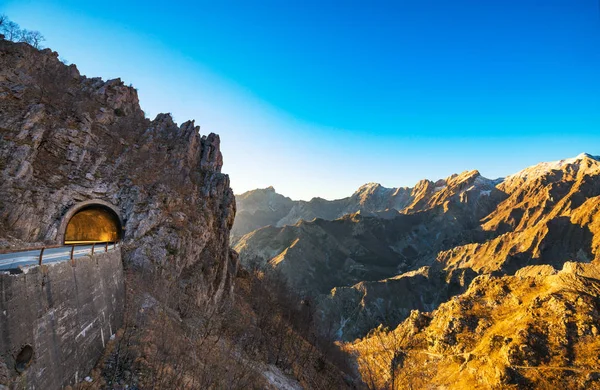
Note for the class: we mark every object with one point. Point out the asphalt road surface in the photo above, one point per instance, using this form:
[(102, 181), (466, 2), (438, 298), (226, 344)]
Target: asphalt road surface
[(17, 260)]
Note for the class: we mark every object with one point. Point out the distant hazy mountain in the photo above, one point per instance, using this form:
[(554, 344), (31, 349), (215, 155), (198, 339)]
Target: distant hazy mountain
[(259, 208), (263, 207)]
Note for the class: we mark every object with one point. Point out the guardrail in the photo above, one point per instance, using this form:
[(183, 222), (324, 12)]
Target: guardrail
[(52, 254)]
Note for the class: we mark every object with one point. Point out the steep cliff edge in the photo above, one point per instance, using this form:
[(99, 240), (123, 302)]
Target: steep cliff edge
[(66, 138)]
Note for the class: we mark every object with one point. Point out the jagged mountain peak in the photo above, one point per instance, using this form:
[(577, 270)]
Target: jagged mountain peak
[(258, 208), (269, 189), (469, 174), (587, 155), (368, 187), (581, 163), (544, 167), (367, 191)]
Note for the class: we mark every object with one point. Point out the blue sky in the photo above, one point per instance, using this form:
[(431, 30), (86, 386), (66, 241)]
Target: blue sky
[(319, 97)]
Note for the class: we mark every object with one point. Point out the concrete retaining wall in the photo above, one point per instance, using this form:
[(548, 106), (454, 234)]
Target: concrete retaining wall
[(66, 313)]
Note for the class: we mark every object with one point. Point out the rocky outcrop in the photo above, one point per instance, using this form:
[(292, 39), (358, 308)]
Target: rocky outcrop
[(531, 316), (66, 138), (550, 216), (352, 312), (319, 255), (509, 332)]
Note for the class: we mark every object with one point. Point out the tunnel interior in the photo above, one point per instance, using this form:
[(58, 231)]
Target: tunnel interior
[(23, 359), (95, 223)]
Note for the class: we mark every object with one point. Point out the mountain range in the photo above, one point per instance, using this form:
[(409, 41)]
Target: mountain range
[(465, 248)]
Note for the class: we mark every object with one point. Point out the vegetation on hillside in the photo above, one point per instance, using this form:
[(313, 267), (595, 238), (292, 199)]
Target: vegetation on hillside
[(13, 32), (529, 331), (263, 336)]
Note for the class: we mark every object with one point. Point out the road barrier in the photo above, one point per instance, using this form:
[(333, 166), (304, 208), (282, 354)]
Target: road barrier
[(25, 257)]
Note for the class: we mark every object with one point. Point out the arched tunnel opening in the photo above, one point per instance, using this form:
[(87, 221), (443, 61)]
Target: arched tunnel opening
[(23, 359), (94, 223)]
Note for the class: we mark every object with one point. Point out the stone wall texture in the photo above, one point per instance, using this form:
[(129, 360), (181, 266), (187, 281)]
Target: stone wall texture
[(66, 312)]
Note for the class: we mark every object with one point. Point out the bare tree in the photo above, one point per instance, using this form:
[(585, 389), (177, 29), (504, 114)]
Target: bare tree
[(11, 30), (36, 39), (23, 36)]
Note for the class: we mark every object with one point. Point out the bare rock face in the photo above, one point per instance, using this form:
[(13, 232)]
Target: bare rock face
[(503, 332), (531, 316), (550, 216), (352, 312), (66, 139), (372, 267)]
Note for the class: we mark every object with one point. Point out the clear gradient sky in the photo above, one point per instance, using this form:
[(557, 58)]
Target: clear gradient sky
[(318, 97)]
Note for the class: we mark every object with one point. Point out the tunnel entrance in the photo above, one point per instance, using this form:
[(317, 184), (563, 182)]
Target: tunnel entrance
[(24, 358), (93, 223)]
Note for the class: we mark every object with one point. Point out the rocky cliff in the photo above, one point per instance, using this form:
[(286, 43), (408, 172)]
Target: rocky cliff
[(534, 330), (549, 217), (67, 138)]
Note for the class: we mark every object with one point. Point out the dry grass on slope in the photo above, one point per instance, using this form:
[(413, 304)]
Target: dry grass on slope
[(168, 343), (522, 332)]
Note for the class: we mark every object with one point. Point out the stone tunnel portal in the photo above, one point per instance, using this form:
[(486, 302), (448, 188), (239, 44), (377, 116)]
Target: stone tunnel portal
[(93, 223)]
